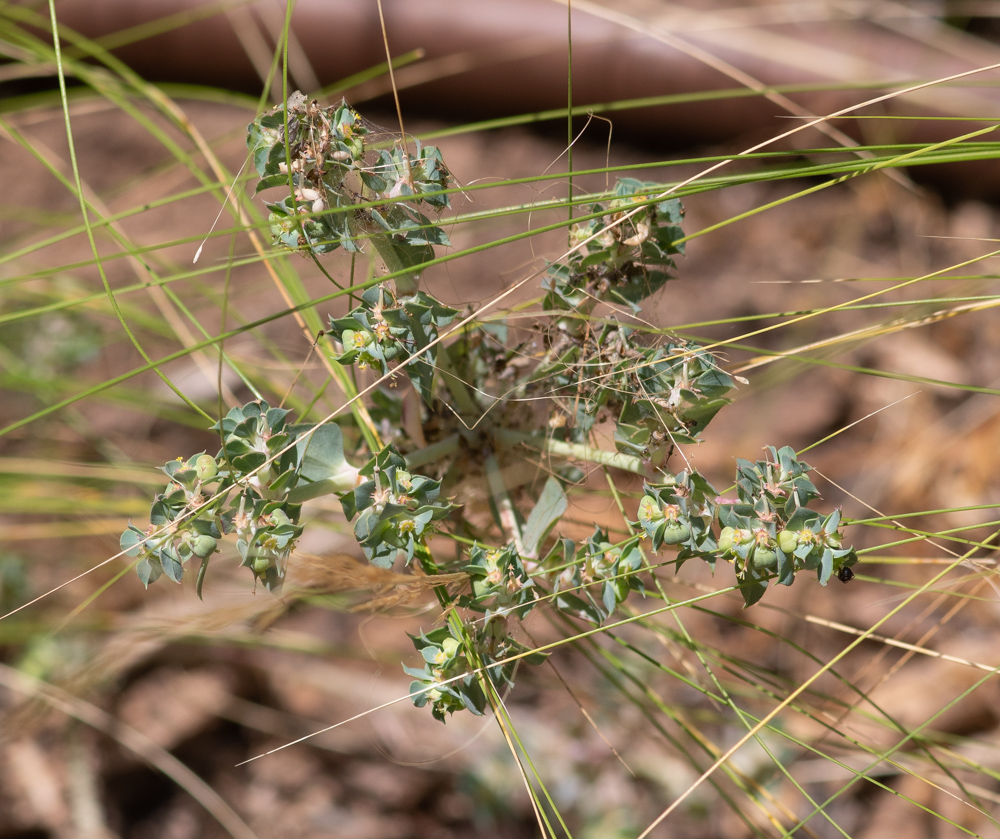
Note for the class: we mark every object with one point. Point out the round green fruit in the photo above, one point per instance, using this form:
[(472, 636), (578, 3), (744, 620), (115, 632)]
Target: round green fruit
[(676, 532), (765, 558), (788, 541), (205, 467), (203, 545), (726, 539)]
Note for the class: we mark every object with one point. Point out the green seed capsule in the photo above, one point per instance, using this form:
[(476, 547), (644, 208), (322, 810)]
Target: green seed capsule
[(261, 564), (788, 541), (726, 539), (205, 467), (203, 545), (765, 558), (675, 533)]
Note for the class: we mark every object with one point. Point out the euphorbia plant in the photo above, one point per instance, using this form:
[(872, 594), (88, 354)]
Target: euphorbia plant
[(473, 389)]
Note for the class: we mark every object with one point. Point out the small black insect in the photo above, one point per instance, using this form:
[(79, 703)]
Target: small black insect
[(845, 574)]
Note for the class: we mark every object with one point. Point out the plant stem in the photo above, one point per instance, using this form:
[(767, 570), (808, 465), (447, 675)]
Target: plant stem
[(341, 482), (573, 451), (433, 452)]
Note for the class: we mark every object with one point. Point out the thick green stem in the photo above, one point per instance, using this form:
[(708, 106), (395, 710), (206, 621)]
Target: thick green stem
[(433, 452), (572, 451), (344, 480)]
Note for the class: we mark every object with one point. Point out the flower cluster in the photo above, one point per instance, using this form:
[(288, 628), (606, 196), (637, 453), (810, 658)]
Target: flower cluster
[(660, 396), (770, 531), (247, 489), (500, 582), (381, 331), (624, 264), (395, 509), (185, 520), (458, 662), (345, 185)]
